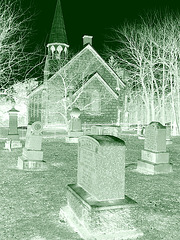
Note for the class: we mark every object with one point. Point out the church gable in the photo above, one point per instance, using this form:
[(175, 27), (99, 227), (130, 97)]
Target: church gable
[(96, 77), (97, 101), (86, 63)]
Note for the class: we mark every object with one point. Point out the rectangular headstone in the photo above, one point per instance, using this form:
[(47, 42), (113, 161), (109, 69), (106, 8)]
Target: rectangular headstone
[(154, 158), (101, 167), (155, 137)]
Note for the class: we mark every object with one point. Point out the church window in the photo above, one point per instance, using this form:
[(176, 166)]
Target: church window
[(95, 102)]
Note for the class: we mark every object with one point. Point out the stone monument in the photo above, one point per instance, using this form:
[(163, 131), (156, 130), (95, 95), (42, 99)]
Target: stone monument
[(168, 134), (75, 126), (32, 155), (154, 158), (97, 206), (142, 133), (13, 137)]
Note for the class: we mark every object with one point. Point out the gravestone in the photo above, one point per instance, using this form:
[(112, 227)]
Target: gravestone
[(142, 133), (112, 130), (75, 126), (139, 128), (168, 134), (13, 137), (96, 130), (97, 206), (32, 155), (154, 158)]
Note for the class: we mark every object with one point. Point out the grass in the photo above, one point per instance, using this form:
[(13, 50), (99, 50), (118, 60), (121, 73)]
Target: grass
[(30, 201)]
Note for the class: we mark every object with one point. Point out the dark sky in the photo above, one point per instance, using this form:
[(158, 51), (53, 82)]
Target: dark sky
[(91, 17)]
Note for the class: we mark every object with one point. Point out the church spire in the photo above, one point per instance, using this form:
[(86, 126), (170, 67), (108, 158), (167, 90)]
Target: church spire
[(58, 32), (57, 44)]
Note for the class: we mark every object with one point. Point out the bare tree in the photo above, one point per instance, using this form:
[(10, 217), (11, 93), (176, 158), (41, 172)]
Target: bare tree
[(14, 32), (150, 51)]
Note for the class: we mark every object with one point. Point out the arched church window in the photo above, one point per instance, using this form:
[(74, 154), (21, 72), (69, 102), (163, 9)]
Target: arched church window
[(95, 102), (52, 50)]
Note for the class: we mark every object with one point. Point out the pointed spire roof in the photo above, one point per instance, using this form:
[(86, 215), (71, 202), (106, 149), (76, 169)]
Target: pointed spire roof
[(58, 32)]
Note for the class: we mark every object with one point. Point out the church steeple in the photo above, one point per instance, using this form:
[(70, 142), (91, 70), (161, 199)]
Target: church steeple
[(58, 32), (57, 44)]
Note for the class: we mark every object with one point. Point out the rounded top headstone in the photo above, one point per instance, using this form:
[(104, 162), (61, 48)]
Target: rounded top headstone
[(75, 112), (37, 128), (157, 125), (107, 140)]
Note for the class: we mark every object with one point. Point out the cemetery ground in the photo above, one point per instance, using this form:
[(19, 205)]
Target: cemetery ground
[(30, 201)]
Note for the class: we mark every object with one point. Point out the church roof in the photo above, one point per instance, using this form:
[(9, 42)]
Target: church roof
[(58, 31), (86, 61), (98, 77)]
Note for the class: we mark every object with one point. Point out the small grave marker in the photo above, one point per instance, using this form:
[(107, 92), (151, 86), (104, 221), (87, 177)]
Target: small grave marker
[(154, 158), (32, 155), (75, 126), (13, 137)]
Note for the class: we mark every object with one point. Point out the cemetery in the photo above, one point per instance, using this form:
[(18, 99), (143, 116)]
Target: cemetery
[(34, 204), (91, 151)]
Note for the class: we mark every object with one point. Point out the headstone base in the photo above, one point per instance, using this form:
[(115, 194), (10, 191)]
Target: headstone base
[(73, 137), (153, 168), (141, 137), (155, 157), (12, 144), (25, 164), (71, 140), (99, 220), (168, 141), (75, 134)]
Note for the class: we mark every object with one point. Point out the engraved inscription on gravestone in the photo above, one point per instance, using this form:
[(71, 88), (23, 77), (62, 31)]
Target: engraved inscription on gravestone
[(155, 139), (101, 166), (87, 164)]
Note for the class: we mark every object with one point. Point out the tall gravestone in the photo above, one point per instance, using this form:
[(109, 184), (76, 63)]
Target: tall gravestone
[(13, 137), (75, 126), (97, 206), (32, 155), (154, 158)]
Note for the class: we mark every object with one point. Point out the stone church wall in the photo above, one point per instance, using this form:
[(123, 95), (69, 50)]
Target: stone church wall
[(108, 105)]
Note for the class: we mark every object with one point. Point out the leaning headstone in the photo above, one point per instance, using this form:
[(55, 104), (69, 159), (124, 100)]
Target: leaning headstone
[(168, 134), (97, 206), (154, 158), (32, 155), (75, 126), (13, 137)]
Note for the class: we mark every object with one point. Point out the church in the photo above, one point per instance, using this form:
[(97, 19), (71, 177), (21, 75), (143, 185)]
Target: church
[(85, 81)]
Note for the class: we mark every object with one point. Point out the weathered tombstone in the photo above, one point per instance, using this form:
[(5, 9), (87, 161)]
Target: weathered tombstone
[(154, 158), (13, 137), (32, 155), (94, 130), (168, 134), (75, 126), (97, 206), (142, 133)]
